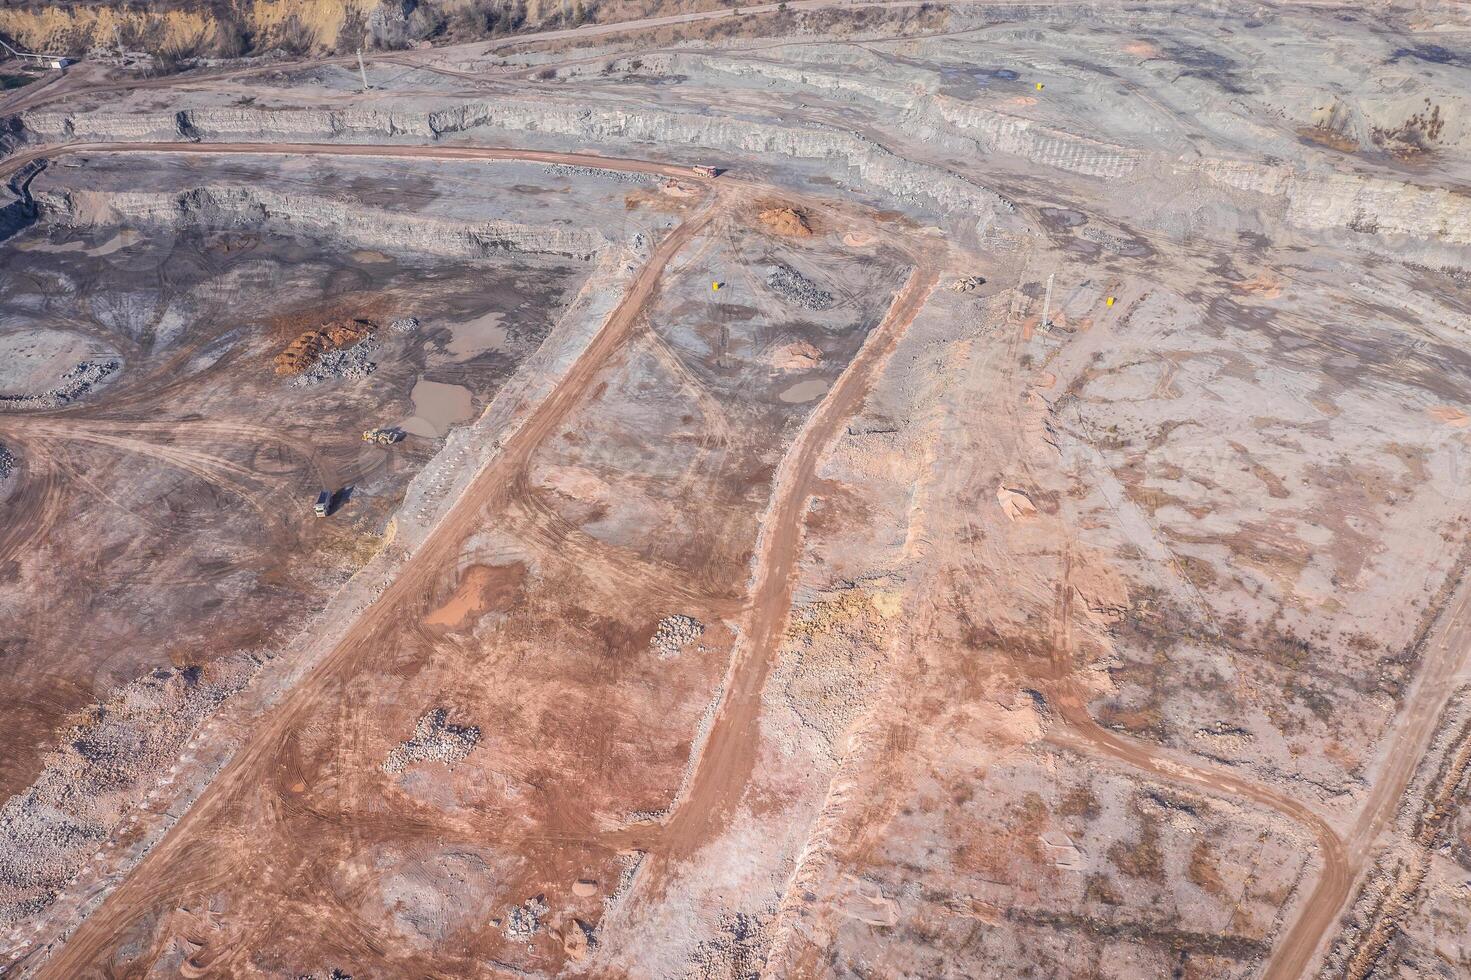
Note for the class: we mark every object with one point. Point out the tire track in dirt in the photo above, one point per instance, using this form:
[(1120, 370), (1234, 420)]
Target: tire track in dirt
[(1410, 736), (173, 865), (725, 763)]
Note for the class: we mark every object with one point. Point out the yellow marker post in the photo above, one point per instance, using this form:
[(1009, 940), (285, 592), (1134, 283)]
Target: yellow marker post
[(1108, 302), (1039, 86), (714, 286)]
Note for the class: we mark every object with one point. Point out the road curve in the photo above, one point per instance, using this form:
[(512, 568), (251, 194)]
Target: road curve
[(1409, 738)]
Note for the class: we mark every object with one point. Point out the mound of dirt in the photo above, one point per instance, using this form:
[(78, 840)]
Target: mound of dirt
[(1450, 415), (796, 356), (303, 352), (1016, 504), (786, 221)]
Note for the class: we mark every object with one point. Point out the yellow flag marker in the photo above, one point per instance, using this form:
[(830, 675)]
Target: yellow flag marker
[(714, 286), (1039, 86), (1108, 302)]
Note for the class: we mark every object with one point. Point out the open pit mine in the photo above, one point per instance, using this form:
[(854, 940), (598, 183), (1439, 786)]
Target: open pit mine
[(670, 490)]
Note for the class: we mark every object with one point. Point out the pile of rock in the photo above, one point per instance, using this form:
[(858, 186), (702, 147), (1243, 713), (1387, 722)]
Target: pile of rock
[(798, 289), (524, 920), (673, 634), (434, 740), (74, 384), (786, 221), (621, 176), (404, 325), (967, 284), (310, 346), (349, 364), (7, 462)]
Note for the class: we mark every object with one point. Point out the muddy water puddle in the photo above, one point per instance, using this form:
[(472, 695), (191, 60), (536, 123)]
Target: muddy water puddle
[(478, 336), (437, 407), (804, 391), (116, 243)]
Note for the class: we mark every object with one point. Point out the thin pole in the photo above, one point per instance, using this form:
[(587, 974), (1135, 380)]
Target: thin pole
[(1047, 305), (362, 70)]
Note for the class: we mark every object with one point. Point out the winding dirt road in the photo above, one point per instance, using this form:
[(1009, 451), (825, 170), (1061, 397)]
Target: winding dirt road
[(1445, 663)]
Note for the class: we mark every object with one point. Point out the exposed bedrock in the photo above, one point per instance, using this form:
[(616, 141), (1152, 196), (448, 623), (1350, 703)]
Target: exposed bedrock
[(1365, 205), (222, 208), (872, 164)]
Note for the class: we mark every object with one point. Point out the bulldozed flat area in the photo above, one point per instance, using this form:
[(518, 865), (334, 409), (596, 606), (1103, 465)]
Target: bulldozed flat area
[(1010, 521)]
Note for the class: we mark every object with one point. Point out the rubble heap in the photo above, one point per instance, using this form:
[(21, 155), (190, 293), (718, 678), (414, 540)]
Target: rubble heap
[(797, 288), (434, 740), (673, 634), (310, 346)]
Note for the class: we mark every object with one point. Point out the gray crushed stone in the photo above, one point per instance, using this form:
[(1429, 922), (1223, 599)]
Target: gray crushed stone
[(74, 384), (348, 364), (798, 289), (618, 176), (673, 634)]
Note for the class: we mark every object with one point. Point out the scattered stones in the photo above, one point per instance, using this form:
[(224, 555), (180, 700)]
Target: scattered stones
[(524, 920), (618, 176), (404, 325), (631, 862), (434, 740), (673, 634), (101, 769), (738, 950), (74, 384), (349, 364), (798, 289), (7, 462), (968, 284)]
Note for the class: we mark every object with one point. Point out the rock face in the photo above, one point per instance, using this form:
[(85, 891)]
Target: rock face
[(259, 207), (871, 163), (1310, 200)]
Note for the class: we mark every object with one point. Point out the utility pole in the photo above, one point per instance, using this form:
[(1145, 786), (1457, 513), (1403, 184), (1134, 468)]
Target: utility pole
[(1046, 323), (362, 70)]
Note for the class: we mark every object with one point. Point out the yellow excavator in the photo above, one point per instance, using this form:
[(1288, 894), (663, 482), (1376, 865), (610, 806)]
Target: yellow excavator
[(383, 436)]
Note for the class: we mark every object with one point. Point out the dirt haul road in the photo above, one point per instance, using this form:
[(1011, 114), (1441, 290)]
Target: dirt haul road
[(15, 163), (1446, 657), (63, 86), (729, 754), (725, 764), (183, 854)]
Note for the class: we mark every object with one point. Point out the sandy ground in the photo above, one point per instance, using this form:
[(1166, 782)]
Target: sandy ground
[(1042, 558)]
